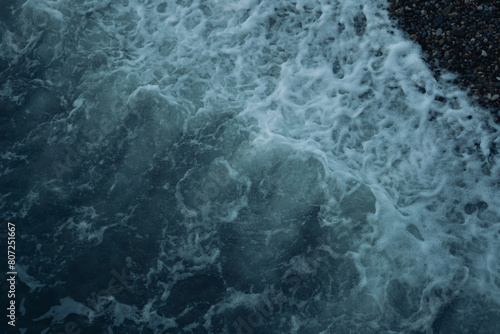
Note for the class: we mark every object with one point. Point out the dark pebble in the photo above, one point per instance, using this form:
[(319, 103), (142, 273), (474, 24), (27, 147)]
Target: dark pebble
[(438, 20), (458, 33), (447, 10)]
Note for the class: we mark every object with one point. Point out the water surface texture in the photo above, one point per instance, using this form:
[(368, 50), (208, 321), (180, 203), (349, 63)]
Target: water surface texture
[(241, 167)]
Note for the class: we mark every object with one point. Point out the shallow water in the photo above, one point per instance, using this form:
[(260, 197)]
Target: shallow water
[(241, 167)]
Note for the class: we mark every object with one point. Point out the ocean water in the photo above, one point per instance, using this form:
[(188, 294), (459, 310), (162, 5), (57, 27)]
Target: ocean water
[(243, 166)]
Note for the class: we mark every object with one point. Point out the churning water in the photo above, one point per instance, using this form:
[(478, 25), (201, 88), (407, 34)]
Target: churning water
[(219, 166)]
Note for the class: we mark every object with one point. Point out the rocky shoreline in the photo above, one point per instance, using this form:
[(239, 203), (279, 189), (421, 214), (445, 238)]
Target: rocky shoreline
[(458, 36)]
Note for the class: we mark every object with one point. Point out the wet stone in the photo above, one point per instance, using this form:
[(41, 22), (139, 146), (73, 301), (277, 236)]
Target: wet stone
[(447, 10), (438, 20)]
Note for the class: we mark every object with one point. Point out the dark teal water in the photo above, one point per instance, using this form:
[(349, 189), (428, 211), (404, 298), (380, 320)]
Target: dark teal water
[(240, 167)]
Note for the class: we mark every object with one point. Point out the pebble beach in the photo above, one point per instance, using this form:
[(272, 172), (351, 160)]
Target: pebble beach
[(461, 37)]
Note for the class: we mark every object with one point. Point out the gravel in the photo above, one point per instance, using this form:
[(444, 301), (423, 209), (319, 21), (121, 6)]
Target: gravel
[(458, 36)]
